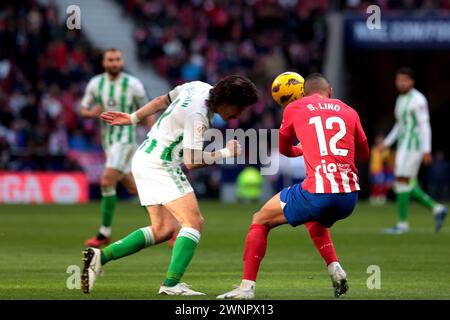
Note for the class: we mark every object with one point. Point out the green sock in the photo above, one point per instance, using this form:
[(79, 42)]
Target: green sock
[(402, 206), (418, 194), (182, 253), (132, 243), (109, 202)]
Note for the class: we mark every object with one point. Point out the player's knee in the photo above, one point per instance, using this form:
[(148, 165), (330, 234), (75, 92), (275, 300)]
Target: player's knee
[(259, 218), (199, 222), (196, 222), (108, 182), (132, 190), (402, 179)]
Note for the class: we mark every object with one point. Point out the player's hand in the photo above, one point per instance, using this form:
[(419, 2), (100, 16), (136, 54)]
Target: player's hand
[(381, 147), (234, 147), (116, 118), (427, 159)]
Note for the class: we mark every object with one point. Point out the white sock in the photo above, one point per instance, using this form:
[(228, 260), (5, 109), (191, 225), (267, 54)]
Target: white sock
[(106, 231), (332, 266), (247, 284), (403, 225), (149, 236), (190, 233), (437, 208)]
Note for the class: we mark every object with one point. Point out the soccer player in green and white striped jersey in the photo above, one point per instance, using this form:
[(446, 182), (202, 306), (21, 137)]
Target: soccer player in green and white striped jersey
[(412, 132), (177, 139), (113, 90)]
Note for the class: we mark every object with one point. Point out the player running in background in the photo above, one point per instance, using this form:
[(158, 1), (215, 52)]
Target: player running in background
[(412, 132), (176, 138), (113, 90), (331, 137)]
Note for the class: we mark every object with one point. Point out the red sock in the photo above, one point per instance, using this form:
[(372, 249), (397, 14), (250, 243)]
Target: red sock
[(322, 240), (255, 249)]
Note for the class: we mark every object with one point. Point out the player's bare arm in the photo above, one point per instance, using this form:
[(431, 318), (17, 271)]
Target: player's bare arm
[(91, 112), (122, 119), (194, 159)]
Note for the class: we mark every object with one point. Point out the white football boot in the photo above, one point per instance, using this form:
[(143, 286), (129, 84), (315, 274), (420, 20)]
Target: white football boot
[(439, 212), (245, 291), (180, 289), (399, 228), (338, 278), (92, 268)]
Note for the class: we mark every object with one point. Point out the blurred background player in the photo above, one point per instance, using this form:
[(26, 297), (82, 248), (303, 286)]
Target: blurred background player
[(412, 131), (113, 90), (330, 191), (380, 172), (177, 138)]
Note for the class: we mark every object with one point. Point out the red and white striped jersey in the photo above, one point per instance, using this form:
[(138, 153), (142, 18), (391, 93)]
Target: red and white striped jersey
[(328, 131)]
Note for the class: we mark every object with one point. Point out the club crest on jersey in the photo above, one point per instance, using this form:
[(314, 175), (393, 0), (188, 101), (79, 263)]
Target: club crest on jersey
[(111, 103)]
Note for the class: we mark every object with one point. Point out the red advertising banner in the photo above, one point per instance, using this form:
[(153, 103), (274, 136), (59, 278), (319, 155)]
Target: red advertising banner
[(43, 187)]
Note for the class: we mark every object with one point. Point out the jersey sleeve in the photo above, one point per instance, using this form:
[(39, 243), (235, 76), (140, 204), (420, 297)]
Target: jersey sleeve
[(423, 122), (174, 93), (287, 136), (286, 127), (194, 130), (90, 96), (139, 94)]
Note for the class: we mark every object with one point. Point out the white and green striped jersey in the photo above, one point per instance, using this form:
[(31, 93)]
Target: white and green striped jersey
[(412, 129), (125, 93), (182, 125)]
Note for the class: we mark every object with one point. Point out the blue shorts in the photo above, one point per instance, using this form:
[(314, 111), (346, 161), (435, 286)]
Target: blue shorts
[(300, 206)]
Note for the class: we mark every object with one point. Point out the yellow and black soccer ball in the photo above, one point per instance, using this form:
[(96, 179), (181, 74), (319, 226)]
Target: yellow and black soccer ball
[(287, 87)]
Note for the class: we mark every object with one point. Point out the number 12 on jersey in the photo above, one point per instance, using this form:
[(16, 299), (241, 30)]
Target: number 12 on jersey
[(317, 122)]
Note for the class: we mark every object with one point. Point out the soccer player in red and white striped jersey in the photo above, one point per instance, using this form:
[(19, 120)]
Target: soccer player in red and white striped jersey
[(330, 138), (330, 156)]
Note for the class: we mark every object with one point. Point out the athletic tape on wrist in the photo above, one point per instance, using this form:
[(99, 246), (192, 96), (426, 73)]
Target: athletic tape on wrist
[(134, 118), (225, 153)]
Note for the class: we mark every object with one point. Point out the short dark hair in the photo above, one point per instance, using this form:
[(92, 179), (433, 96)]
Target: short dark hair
[(233, 90), (315, 76), (112, 49), (406, 71), (315, 83)]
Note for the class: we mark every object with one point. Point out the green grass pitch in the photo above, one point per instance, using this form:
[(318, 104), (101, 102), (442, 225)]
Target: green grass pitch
[(38, 243)]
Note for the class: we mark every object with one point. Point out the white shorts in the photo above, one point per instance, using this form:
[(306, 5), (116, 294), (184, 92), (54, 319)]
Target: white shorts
[(119, 155), (158, 183), (407, 163)]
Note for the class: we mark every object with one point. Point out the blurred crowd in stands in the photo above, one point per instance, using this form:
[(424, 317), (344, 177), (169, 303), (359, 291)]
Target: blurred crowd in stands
[(43, 71), (44, 67), (189, 40)]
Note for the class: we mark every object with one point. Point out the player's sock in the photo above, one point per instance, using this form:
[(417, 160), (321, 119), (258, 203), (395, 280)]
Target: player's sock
[(322, 240), (403, 191), (104, 232), (109, 202), (255, 250), (132, 243), (418, 194), (182, 253), (333, 266)]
